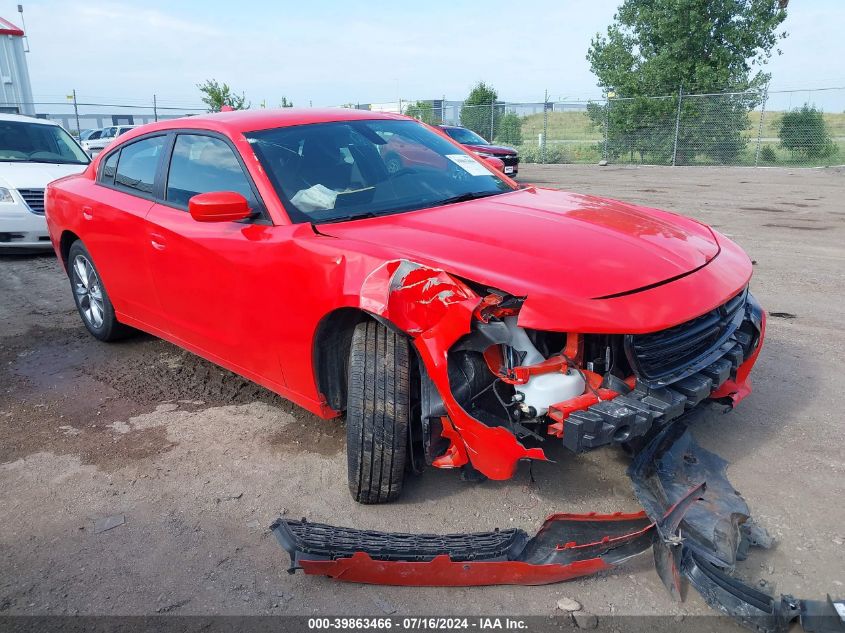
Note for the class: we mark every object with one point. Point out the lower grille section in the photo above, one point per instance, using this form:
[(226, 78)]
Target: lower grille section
[(664, 357), (34, 199), (319, 541)]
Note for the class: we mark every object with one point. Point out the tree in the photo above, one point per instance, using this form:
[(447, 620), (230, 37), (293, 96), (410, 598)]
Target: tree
[(657, 47), (284, 103), (423, 111), (216, 95), (804, 131), (480, 113), (510, 129)]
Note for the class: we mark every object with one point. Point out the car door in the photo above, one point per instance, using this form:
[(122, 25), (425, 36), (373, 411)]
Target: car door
[(114, 225), (209, 277)]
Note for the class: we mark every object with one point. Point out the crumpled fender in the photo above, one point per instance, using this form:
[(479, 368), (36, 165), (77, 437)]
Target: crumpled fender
[(436, 309)]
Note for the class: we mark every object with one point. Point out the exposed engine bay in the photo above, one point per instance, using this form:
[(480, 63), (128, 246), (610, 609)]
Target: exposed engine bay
[(590, 390)]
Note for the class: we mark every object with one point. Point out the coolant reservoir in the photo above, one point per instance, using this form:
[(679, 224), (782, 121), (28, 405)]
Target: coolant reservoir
[(545, 389)]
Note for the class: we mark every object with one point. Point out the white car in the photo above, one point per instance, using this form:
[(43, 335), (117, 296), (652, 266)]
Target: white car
[(95, 145), (33, 152)]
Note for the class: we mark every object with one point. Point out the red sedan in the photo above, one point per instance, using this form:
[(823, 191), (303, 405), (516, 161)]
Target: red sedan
[(457, 319)]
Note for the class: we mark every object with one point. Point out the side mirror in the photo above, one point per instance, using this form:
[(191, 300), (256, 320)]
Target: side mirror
[(495, 163), (219, 206)]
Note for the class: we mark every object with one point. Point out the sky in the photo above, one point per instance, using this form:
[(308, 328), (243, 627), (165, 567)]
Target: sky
[(332, 52)]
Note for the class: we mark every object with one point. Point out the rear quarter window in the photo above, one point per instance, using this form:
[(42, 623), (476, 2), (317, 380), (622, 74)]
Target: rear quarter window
[(109, 168)]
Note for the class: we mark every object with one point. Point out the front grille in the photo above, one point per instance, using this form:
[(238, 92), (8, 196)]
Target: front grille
[(664, 357), (328, 541), (34, 199), (510, 160)]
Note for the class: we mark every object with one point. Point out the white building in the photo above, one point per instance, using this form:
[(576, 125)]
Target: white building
[(15, 89)]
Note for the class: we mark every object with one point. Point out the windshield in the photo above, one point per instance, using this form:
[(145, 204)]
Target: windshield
[(326, 172), (465, 136), (21, 141)]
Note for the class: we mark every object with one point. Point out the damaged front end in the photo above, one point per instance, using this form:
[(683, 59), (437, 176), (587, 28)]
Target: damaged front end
[(492, 392), (696, 524)]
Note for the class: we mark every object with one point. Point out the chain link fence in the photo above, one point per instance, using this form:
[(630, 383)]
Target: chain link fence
[(787, 128), (758, 128), (77, 114)]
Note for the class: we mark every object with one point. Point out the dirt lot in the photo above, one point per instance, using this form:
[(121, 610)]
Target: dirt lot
[(200, 461)]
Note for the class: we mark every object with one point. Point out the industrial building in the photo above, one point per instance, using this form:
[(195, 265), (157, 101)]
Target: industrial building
[(15, 89)]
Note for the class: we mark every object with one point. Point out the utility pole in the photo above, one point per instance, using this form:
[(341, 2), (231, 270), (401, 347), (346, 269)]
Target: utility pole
[(155, 109), (492, 105), (76, 113)]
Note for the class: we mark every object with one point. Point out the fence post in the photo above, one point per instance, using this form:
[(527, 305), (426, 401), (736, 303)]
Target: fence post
[(545, 126), (677, 125), (760, 127), (492, 105), (76, 113), (155, 109), (606, 125)]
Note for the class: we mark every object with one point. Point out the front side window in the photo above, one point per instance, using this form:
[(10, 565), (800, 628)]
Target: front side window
[(325, 172), (465, 136), (201, 164), (138, 163), (22, 141)]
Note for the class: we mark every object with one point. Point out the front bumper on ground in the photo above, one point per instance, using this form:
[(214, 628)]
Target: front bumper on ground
[(696, 524)]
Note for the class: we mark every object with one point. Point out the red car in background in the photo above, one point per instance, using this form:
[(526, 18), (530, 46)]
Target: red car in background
[(475, 143), (457, 319), (398, 154)]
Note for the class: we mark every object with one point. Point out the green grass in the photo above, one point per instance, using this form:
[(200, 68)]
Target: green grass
[(573, 138)]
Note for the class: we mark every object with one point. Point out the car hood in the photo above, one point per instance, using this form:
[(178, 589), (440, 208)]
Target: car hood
[(547, 242), (19, 175), (496, 150)]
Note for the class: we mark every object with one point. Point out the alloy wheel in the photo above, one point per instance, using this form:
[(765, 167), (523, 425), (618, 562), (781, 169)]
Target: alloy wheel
[(89, 292)]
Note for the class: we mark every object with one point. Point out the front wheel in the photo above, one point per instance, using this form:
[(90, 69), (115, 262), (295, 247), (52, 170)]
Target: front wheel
[(90, 296), (378, 413)]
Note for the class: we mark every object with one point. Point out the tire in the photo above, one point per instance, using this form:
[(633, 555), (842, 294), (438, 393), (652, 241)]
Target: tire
[(92, 301), (378, 413)]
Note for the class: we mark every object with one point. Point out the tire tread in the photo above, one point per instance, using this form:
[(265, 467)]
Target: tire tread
[(378, 413)]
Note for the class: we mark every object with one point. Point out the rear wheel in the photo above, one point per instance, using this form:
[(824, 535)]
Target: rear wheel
[(378, 412), (90, 296)]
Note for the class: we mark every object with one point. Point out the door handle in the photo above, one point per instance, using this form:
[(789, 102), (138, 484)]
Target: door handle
[(157, 241), (87, 212)]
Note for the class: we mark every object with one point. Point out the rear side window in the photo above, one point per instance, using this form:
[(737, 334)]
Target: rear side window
[(137, 165), (201, 164)]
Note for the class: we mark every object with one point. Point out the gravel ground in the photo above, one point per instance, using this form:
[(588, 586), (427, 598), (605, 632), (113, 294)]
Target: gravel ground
[(198, 462)]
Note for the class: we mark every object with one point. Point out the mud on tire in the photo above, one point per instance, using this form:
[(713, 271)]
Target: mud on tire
[(377, 413)]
